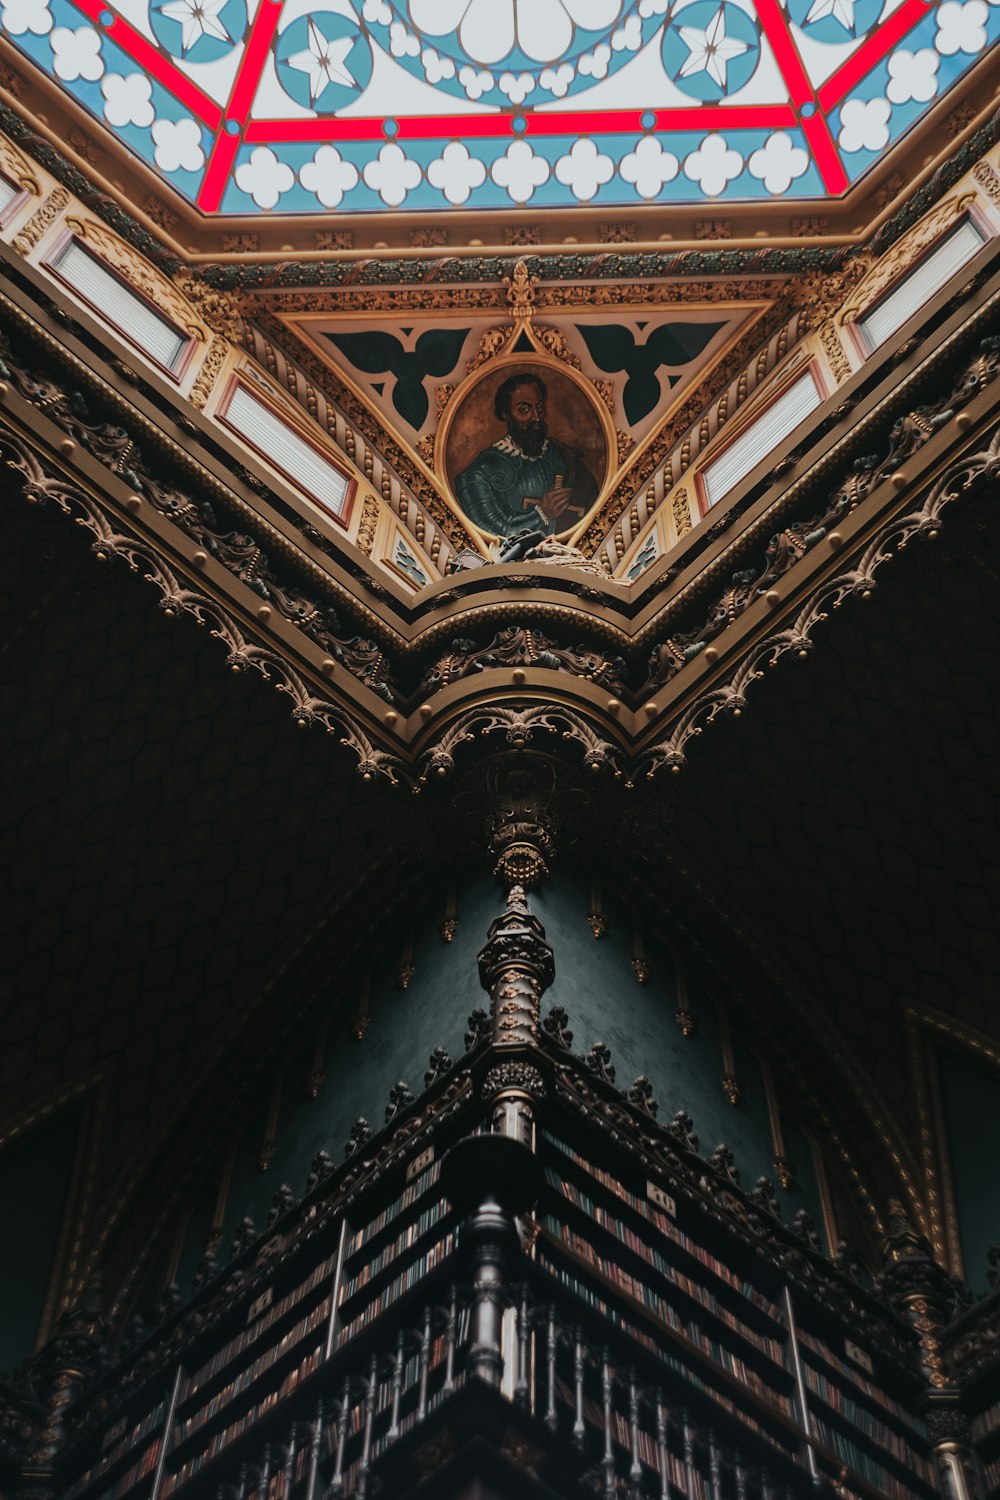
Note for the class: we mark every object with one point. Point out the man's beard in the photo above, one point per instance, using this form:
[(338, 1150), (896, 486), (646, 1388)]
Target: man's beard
[(529, 436)]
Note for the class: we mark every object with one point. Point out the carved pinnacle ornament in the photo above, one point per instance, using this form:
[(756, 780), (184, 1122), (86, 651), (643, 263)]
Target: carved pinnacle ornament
[(785, 1171), (513, 1075), (920, 1290), (520, 289), (515, 966), (62, 1368)]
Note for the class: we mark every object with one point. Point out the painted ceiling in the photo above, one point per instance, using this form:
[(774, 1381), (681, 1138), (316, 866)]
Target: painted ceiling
[(361, 106)]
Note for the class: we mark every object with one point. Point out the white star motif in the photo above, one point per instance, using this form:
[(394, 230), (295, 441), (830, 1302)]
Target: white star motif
[(710, 50), (840, 10), (324, 61), (198, 18)]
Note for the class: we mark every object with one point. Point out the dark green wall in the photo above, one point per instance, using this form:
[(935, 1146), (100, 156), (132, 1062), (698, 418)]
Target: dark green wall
[(804, 1191), (404, 1028), (35, 1179), (605, 1002), (971, 1097), (594, 983), (195, 1234)]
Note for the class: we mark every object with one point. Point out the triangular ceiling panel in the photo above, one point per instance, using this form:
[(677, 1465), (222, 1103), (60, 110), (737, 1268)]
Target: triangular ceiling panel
[(641, 363)]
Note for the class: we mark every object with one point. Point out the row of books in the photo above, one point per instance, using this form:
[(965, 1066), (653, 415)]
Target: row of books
[(319, 1315), (406, 1200), (670, 1229), (862, 1462), (141, 1430), (414, 1272), (144, 1464), (649, 1455), (666, 1313), (857, 1378), (281, 1483), (413, 1232), (381, 1439), (409, 1378), (991, 1474), (242, 1341), (770, 1346), (227, 1435), (987, 1422), (301, 1330), (592, 1298), (868, 1422)]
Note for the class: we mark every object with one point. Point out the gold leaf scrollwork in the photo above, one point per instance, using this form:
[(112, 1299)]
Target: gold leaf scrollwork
[(367, 525), (840, 365), (680, 507), (17, 168), (211, 365), (989, 181), (442, 395), (220, 310), (606, 390), (47, 213), (553, 341), (492, 343)]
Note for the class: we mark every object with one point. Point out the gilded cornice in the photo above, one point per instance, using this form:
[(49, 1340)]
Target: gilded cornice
[(793, 561), (398, 744), (703, 414), (794, 287)]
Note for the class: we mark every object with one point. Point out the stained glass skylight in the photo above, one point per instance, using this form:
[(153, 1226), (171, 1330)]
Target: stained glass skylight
[(360, 106)]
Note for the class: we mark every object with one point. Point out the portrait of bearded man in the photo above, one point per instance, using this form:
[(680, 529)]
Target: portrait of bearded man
[(526, 480)]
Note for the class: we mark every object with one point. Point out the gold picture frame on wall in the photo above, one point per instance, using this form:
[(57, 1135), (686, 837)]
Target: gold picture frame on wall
[(525, 445)]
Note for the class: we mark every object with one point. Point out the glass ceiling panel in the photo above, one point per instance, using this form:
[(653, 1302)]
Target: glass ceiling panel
[(361, 106)]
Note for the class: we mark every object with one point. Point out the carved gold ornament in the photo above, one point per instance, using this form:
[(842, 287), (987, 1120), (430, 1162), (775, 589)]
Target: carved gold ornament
[(16, 168)]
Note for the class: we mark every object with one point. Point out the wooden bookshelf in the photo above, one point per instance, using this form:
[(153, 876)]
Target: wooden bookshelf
[(675, 1284), (325, 1357)]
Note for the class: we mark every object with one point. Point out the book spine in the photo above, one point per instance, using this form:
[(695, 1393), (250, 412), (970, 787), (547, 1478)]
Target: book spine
[(413, 1273), (242, 1341)]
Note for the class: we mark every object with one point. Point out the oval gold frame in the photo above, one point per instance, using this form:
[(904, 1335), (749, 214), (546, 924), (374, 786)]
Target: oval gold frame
[(508, 361)]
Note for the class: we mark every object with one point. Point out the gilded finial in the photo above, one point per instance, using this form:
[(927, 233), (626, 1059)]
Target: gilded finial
[(521, 292)]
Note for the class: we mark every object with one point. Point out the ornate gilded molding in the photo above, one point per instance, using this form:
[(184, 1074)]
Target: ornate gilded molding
[(519, 726), (787, 547), (974, 470), (220, 310), (201, 390), (42, 486), (523, 642), (671, 450), (355, 429), (989, 181), (520, 646), (17, 168), (840, 365), (44, 216)]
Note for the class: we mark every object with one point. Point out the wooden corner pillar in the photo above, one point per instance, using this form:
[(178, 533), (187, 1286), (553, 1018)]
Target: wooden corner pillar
[(925, 1295), (515, 968)]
